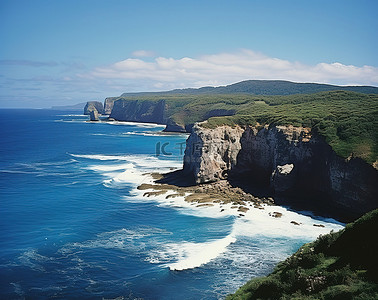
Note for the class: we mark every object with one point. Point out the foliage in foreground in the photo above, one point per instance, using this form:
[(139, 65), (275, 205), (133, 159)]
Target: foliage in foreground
[(341, 265)]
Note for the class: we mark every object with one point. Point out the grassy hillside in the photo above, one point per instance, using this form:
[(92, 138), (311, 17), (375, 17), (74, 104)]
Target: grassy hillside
[(347, 120), (341, 265), (265, 87)]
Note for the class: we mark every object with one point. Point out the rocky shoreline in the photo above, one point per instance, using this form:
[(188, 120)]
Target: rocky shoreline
[(201, 195), (220, 194)]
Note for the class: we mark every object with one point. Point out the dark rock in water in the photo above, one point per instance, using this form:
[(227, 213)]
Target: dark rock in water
[(93, 115), (93, 105), (295, 223), (318, 225), (173, 126), (275, 214)]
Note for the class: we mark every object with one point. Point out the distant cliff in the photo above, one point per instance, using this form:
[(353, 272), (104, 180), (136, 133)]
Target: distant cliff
[(139, 111), (93, 105), (287, 161), (264, 87), (108, 105)]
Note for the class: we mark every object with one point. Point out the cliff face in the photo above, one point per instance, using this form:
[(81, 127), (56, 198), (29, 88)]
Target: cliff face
[(288, 161), (94, 115), (139, 111), (93, 105), (108, 105)]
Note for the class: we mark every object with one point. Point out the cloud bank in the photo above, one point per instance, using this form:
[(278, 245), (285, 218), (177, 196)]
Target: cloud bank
[(26, 83), (225, 68)]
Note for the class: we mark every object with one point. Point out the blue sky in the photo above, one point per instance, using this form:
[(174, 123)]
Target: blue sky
[(65, 52)]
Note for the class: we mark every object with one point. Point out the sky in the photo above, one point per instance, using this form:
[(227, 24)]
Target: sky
[(55, 52)]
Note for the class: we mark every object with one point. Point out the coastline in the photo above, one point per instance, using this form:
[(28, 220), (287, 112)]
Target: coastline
[(253, 219), (131, 237)]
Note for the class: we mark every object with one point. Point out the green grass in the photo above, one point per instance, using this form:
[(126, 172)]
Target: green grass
[(341, 265)]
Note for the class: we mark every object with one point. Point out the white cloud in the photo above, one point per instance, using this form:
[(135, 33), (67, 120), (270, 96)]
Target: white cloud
[(225, 68), (143, 53)]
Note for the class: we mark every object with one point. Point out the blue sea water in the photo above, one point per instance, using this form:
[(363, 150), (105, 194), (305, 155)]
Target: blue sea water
[(73, 224)]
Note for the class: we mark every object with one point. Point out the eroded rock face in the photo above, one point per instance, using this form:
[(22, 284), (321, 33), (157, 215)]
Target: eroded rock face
[(139, 111), (287, 160), (93, 115), (108, 105), (211, 154), (93, 105), (172, 126)]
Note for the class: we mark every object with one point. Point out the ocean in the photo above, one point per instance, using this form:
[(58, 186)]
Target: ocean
[(73, 224)]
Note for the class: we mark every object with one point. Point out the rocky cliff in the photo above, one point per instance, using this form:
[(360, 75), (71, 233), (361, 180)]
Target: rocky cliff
[(93, 105), (139, 111), (108, 105), (93, 115), (293, 163)]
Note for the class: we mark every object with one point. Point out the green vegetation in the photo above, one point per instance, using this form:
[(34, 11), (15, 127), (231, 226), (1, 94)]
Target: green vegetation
[(264, 87), (347, 120), (341, 265)]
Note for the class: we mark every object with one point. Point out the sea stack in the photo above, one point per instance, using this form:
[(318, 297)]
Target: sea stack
[(93, 105), (93, 115)]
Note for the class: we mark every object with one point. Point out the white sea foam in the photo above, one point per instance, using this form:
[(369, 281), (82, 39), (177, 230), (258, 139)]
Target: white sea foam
[(193, 255), (131, 169), (131, 176), (32, 259), (72, 116), (252, 224), (100, 156), (147, 161), (255, 221), (109, 168), (137, 124), (70, 121), (17, 172), (40, 168), (122, 239), (154, 133), (259, 222)]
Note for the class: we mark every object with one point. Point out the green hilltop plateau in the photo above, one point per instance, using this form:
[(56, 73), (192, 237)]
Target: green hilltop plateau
[(265, 87), (346, 119)]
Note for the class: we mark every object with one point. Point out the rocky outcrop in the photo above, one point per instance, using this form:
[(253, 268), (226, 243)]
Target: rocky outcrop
[(108, 105), (93, 105), (287, 161), (94, 115), (173, 126), (211, 153), (139, 111)]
